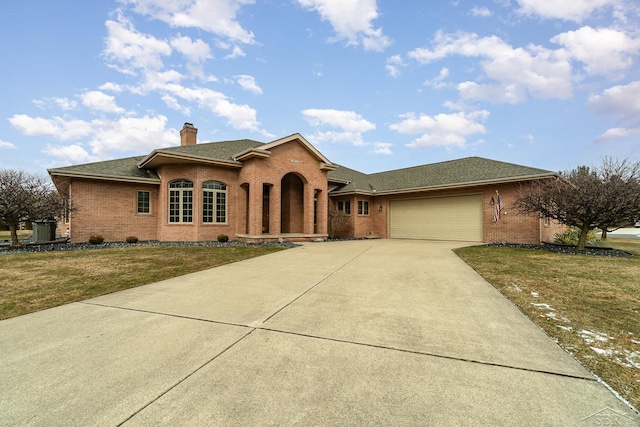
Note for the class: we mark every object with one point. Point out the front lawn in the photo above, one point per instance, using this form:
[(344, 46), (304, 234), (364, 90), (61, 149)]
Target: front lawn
[(35, 281), (589, 304)]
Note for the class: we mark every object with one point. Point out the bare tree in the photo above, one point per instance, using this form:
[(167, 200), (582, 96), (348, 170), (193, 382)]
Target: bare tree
[(607, 197), (26, 197), (339, 224)]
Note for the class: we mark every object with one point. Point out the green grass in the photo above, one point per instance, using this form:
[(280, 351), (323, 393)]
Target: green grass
[(22, 234), (586, 295), (36, 281)]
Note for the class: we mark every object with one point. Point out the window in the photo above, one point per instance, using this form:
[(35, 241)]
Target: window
[(363, 207), (181, 201), (344, 206), (214, 202), (144, 202), (67, 210)]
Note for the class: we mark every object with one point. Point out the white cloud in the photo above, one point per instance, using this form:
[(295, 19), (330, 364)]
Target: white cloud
[(438, 82), (96, 100), (482, 12), (446, 130), (507, 93), (66, 103), (172, 102), (248, 83), (592, 45), (541, 72), (236, 52), (350, 125), (394, 63), (240, 116), (111, 87), (617, 133), (570, 10), (7, 145), (382, 148), (624, 103), (132, 49), (215, 16), (105, 137), (352, 21), (60, 128), (137, 134), (196, 51), (69, 154)]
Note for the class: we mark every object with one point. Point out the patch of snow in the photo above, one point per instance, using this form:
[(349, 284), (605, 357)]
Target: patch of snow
[(635, 341), (517, 287), (590, 336), (602, 352), (566, 328), (543, 305), (535, 294), (634, 359)]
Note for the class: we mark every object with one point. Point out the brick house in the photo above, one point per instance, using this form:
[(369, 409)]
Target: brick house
[(286, 189)]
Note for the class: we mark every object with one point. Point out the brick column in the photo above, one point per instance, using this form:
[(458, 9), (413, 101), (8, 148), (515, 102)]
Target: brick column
[(275, 204), (255, 209), (308, 208), (322, 212)]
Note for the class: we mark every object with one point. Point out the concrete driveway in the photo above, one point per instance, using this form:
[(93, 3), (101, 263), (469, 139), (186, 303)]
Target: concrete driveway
[(377, 332)]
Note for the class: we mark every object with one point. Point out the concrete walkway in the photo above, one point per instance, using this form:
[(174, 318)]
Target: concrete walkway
[(380, 332)]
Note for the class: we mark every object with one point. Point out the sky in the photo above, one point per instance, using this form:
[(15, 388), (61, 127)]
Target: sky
[(374, 84)]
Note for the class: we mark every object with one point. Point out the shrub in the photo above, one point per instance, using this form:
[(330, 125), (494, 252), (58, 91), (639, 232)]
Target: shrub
[(223, 238), (571, 236), (96, 240), (132, 239)]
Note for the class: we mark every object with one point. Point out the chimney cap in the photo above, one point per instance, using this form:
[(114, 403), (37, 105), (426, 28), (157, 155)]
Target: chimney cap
[(188, 125)]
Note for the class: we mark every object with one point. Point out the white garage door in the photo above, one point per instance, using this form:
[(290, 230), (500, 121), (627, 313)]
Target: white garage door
[(439, 218)]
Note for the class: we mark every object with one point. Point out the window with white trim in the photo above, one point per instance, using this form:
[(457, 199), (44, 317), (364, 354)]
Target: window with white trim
[(181, 201), (363, 207), (214, 202)]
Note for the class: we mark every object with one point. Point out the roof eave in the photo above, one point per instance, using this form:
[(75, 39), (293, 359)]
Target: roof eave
[(447, 186), (327, 166), (252, 153), (82, 175), (159, 157)]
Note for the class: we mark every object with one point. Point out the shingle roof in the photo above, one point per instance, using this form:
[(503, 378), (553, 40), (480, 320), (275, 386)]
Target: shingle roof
[(223, 150), (126, 168), (462, 172)]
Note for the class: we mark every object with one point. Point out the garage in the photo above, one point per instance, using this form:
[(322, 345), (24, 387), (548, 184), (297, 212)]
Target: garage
[(439, 218)]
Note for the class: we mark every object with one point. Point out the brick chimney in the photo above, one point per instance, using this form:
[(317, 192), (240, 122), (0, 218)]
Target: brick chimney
[(188, 134)]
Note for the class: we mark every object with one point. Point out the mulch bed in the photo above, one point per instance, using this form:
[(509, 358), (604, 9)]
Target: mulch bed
[(49, 247), (569, 249)]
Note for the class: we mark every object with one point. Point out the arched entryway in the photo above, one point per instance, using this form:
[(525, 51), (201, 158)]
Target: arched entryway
[(292, 204)]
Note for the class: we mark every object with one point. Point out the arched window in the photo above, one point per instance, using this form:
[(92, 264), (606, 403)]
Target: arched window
[(181, 201), (214, 202)]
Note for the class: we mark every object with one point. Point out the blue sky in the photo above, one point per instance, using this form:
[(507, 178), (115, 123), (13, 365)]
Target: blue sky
[(374, 85)]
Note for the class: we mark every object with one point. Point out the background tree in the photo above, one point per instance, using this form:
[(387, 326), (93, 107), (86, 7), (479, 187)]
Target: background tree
[(26, 197), (607, 197)]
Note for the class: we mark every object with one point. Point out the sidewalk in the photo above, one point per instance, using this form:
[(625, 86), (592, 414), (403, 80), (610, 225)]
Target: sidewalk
[(376, 332)]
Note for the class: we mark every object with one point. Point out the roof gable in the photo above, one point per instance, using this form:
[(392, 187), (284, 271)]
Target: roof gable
[(222, 153)]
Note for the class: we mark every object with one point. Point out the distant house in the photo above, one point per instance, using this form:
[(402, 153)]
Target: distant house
[(287, 189)]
